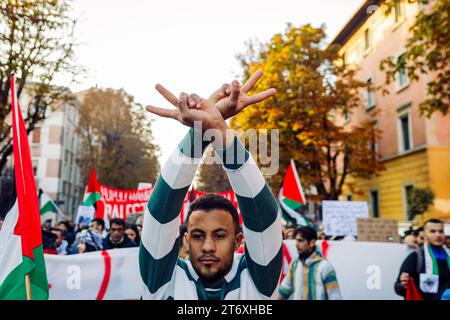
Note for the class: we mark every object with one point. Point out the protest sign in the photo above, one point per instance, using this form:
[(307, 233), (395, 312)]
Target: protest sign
[(339, 217), (377, 230), (85, 215), (122, 203)]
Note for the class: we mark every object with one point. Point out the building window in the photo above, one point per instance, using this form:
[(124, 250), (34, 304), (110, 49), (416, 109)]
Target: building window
[(36, 138), (370, 94), (374, 201), (397, 12), (367, 39), (407, 192), (402, 74), (405, 132)]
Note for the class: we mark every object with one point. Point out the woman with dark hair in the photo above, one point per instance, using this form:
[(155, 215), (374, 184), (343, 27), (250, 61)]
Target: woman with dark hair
[(132, 232)]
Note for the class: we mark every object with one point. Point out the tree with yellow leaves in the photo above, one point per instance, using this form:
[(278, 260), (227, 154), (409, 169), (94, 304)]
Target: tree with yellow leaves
[(313, 94)]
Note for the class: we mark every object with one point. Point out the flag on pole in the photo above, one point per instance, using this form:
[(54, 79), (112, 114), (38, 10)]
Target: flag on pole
[(21, 252), (291, 197), (48, 208), (93, 197)]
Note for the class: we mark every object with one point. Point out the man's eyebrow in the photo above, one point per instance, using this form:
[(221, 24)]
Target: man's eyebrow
[(221, 230), (197, 230)]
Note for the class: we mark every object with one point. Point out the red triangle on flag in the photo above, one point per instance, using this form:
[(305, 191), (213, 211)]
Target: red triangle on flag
[(28, 226), (292, 188)]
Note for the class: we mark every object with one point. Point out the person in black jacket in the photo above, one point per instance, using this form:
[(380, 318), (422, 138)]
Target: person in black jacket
[(429, 266), (117, 238)]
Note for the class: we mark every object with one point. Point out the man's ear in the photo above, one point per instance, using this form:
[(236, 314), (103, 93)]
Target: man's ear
[(238, 240)]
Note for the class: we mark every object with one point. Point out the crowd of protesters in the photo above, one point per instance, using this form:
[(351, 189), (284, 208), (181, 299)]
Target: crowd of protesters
[(67, 238)]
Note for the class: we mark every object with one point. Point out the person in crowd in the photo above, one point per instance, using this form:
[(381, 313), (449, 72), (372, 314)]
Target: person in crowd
[(139, 227), (1, 222), (420, 236), (98, 225), (410, 241), (88, 241), (68, 231), (288, 233), (49, 242), (133, 233), (117, 238), (61, 244), (428, 267), (213, 271), (310, 276), (447, 242)]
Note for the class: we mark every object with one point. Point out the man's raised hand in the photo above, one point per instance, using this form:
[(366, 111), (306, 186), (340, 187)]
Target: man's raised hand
[(232, 99), (229, 99), (186, 112)]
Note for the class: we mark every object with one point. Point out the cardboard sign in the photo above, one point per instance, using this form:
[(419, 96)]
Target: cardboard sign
[(339, 217), (378, 230)]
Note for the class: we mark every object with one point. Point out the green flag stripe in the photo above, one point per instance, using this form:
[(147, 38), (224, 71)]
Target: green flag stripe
[(13, 287), (48, 207), (292, 203), (92, 198)]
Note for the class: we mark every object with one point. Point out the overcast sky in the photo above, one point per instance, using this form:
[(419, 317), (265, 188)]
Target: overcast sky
[(185, 45)]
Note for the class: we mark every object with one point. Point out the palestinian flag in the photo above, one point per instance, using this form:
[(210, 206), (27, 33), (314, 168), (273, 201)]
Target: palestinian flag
[(48, 208), (291, 197), (92, 197), (21, 251)]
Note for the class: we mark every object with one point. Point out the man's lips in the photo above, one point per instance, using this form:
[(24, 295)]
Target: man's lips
[(208, 261)]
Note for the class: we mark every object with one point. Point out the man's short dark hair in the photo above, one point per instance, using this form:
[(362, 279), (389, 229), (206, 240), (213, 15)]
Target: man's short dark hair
[(100, 221), (117, 221), (432, 221), (213, 201), (307, 233), (65, 223)]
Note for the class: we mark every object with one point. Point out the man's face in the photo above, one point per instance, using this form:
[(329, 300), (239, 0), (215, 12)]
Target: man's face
[(303, 245), (434, 234), (62, 227), (116, 232), (212, 239)]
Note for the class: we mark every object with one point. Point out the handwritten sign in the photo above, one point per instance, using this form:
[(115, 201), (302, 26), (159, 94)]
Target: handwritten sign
[(339, 217)]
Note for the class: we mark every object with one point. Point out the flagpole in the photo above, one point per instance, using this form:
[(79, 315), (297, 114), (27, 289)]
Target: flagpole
[(28, 286)]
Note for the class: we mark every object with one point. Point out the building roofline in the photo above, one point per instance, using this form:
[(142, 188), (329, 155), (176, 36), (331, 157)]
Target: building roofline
[(356, 20)]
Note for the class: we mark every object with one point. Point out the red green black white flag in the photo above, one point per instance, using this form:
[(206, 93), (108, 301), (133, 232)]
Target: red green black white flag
[(291, 197), (21, 251)]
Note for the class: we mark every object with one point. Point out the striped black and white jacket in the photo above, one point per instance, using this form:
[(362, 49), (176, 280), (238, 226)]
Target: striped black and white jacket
[(254, 275)]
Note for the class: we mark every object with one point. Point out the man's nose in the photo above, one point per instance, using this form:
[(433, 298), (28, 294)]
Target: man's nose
[(208, 245)]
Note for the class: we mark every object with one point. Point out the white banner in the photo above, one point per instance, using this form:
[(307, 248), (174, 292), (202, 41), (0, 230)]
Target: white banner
[(365, 270)]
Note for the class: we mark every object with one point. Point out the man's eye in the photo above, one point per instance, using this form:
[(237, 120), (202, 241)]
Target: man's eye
[(220, 236), (197, 236)]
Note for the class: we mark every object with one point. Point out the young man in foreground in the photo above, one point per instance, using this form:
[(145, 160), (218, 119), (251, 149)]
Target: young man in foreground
[(213, 232)]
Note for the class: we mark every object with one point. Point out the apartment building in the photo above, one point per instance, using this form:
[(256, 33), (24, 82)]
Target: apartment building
[(415, 150)]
